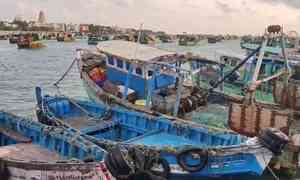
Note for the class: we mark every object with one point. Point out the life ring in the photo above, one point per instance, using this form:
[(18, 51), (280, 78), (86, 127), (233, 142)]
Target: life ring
[(203, 157), (164, 164)]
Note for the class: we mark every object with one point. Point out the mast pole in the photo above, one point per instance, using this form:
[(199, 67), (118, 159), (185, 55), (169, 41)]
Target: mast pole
[(131, 68)]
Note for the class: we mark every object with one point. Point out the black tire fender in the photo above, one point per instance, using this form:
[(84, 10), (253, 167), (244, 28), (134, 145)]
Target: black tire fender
[(110, 167), (203, 154), (118, 161), (163, 162)]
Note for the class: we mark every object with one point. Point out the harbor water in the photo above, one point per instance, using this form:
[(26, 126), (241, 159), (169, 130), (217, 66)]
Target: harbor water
[(22, 70)]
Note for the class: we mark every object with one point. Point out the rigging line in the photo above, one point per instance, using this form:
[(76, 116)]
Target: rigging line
[(65, 74), (269, 168), (138, 40)]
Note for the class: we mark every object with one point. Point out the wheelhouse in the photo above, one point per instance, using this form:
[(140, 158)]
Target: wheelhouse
[(135, 64)]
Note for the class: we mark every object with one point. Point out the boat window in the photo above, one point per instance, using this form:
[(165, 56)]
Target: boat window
[(225, 60), (111, 60), (127, 66), (119, 63), (233, 62), (139, 71), (150, 73)]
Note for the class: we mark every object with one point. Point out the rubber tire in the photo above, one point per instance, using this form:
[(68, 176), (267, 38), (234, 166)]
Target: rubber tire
[(119, 162), (165, 164), (194, 168), (4, 172), (274, 142), (110, 167)]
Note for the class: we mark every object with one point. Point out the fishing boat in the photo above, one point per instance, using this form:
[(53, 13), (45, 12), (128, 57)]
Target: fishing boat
[(93, 39), (273, 48), (164, 38), (65, 37), (247, 114), (138, 77), (212, 40), (32, 150), (182, 149), (144, 38), (29, 41), (124, 37), (209, 70), (287, 90), (13, 38), (3, 37), (188, 40)]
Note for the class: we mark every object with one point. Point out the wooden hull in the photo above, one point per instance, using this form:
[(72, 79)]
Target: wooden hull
[(249, 120), (30, 170), (288, 96), (13, 40), (30, 150)]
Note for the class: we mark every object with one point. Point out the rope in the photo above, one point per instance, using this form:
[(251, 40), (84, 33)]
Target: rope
[(272, 172), (270, 169), (66, 73)]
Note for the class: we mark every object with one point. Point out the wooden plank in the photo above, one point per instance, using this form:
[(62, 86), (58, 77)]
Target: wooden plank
[(28, 152), (14, 135)]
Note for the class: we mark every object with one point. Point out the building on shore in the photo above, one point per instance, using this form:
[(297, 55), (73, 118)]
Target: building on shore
[(41, 18)]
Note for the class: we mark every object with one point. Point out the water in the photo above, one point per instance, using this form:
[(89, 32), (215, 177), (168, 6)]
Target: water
[(40, 67), (211, 51), (27, 69)]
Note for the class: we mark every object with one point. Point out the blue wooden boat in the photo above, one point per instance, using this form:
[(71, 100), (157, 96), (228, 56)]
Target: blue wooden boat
[(153, 81), (188, 40), (184, 150), (148, 79), (32, 150)]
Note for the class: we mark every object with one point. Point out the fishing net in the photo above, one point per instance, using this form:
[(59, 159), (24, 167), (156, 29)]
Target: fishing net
[(214, 115)]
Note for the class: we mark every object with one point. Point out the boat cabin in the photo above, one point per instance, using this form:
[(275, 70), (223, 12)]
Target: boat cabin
[(122, 63)]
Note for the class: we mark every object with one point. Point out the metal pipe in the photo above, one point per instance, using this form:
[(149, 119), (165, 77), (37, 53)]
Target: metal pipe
[(235, 68), (178, 96)]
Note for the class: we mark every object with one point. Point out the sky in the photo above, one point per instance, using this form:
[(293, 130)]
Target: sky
[(173, 16)]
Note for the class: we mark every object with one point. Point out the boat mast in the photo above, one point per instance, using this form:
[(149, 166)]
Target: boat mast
[(271, 32), (130, 65)]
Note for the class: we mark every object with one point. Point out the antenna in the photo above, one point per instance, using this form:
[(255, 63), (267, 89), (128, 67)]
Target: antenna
[(130, 67), (138, 40)]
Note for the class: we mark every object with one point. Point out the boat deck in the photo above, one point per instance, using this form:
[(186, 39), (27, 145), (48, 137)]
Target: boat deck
[(14, 135), (165, 140), (81, 122), (28, 152), (87, 124)]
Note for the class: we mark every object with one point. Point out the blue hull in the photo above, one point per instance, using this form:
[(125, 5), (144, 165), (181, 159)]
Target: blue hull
[(33, 150), (229, 153)]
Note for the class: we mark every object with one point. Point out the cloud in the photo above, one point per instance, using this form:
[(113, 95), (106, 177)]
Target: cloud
[(122, 3), (174, 16), (225, 7), (290, 3)]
